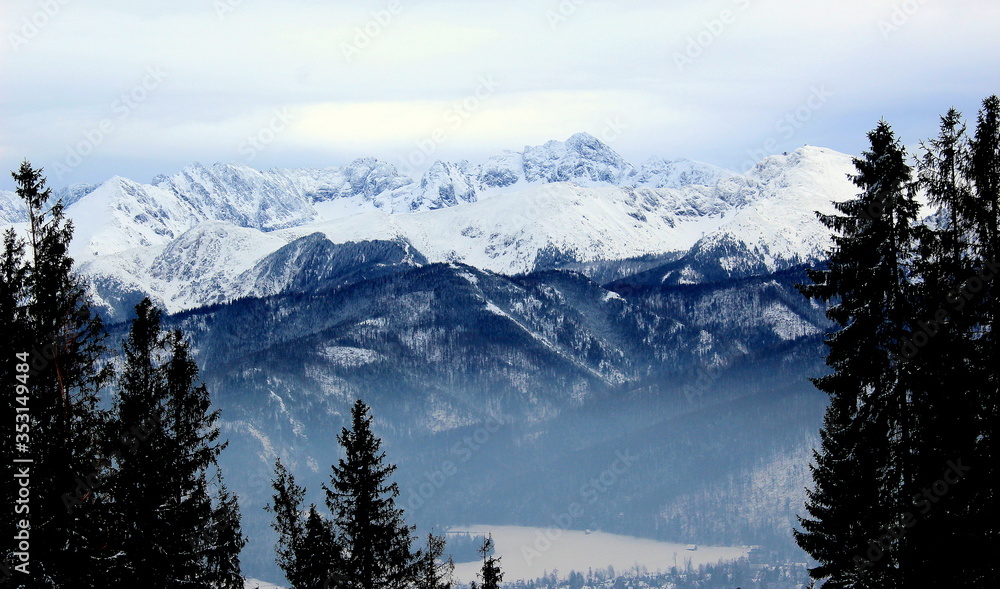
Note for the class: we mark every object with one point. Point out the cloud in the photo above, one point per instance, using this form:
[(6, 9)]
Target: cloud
[(562, 66)]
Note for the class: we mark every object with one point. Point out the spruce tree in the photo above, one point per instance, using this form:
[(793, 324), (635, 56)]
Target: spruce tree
[(64, 340), (490, 575), (319, 558), (433, 571), (369, 528), (865, 466), (941, 356), (984, 174), (224, 543), (14, 326), (832, 534), (169, 530), (286, 504)]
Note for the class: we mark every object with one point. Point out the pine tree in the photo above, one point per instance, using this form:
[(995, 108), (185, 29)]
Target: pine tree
[(14, 326), (369, 528), (169, 530), (434, 572), (865, 466), (984, 174), (192, 450), (319, 558), (65, 342), (490, 575), (943, 397), (224, 543), (832, 534), (286, 504)]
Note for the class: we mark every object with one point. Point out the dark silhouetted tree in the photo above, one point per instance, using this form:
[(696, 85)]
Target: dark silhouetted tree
[(864, 467), (169, 534), (369, 528), (490, 576), (434, 571), (285, 506), (64, 342)]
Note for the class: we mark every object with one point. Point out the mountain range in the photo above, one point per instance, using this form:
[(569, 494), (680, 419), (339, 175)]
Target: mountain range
[(210, 235), (527, 319)]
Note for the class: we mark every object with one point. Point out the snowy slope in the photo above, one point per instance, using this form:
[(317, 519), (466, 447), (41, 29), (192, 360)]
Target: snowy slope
[(121, 214), (195, 269), (657, 172), (257, 584), (783, 226), (774, 226), (513, 233), (184, 239), (529, 553), (11, 209), (582, 156)]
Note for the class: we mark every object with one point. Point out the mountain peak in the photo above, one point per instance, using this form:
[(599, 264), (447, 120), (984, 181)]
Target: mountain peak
[(582, 157), (584, 140)]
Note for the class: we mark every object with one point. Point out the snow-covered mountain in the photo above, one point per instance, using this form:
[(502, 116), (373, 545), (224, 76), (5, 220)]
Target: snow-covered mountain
[(122, 214), (11, 209), (201, 235), (703, 383), (777, 226), (446, 300)]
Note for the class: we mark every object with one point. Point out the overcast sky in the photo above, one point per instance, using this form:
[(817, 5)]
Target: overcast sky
[(97, 88)]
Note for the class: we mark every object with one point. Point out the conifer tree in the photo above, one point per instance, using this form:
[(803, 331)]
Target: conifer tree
[(832, 534), (941, 354), (14, 326), (64, 340), (984, 174), (319, 558), (942, 176), (169, 531), (369, 528), (434, 572), (286, 504), (865, 466), (490, 575), (224, 543)]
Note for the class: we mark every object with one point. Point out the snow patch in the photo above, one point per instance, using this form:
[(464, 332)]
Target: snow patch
[(525, 557)]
